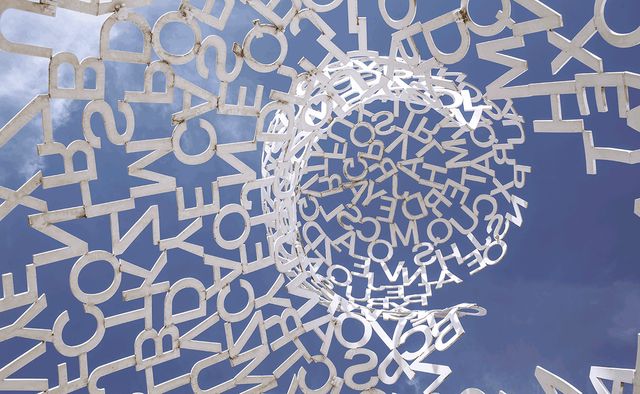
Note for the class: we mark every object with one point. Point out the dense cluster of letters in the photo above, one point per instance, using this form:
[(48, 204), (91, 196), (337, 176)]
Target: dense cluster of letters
[(368, 182), (421, 160)]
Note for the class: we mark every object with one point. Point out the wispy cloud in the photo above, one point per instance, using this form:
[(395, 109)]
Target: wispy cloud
[(24, 77), (626, 322)]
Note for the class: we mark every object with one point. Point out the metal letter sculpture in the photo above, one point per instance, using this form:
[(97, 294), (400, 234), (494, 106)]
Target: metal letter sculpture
[(373, 174)]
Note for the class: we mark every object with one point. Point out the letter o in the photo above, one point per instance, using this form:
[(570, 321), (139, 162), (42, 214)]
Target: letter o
[(366, 335), (231, 243), (92, 257)]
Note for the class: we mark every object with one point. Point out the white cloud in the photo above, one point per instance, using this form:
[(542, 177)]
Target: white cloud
[(24, 77), (68, 31), (626, 322)]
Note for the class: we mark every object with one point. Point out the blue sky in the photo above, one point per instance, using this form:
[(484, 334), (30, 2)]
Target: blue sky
[(565, 296)]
